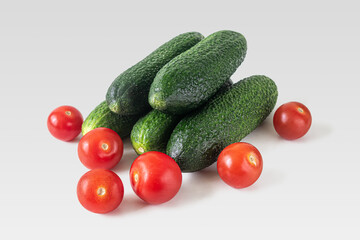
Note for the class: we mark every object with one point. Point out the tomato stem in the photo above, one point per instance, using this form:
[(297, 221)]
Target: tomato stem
[(252, 160), (101, 191), (105, 146), (136, 177)]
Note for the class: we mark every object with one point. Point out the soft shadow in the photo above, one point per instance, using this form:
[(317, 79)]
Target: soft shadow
[(269, 178), (318, 131), (130, 204), (264, 131), (128, 157), (264, 136), (197, 185), (76, 140)]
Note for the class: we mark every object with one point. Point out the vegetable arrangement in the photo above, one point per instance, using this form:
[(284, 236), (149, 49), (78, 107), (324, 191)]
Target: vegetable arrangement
[(199, 137), (183, 113), (190, 79)]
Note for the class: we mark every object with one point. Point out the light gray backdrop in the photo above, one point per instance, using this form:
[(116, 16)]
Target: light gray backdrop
[(68, 52)]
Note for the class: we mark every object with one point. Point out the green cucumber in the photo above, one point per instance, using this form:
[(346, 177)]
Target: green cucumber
[(190, 79), (128, 94), (231, 115), (101, 116), (224, 87), (152, 132)]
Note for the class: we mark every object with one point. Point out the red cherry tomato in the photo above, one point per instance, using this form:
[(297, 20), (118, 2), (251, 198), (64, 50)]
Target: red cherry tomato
[(155, 177), (100, 148), (100, 191), (292, 120), (240, 165), (64, 123)]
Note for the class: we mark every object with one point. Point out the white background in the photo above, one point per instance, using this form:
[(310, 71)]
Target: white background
[(69, 52)]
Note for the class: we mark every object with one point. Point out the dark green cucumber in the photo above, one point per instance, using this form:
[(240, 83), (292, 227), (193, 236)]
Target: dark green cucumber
[(224, 87), (101, 116), (152, 132), (190, 79), (128, 94), (199, 137)]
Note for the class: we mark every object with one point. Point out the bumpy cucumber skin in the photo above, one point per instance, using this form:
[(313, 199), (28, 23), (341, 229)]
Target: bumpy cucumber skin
[(101, 116), (128, 94), (191, 78), (199, 138), (152, 132), (224, 87)]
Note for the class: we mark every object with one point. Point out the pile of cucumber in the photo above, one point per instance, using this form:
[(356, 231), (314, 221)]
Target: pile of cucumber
[(180, 100)]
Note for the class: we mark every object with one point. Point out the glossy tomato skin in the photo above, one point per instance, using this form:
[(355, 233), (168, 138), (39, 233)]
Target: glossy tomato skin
[(240, 165), (100, 191), (100, 148), (292, 120), (155, 177), (64, 123)]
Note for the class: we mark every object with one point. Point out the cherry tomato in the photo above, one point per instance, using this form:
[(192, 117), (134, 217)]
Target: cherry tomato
[(240, 164), (155, 177), (100, 148), (64, 123), (292, 120), (100, 191)]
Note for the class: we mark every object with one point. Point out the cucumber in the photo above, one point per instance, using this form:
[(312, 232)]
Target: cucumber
[(152, 132), (190, 79), (224, 87), (101, 116), (231, 115), (128, 94)]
